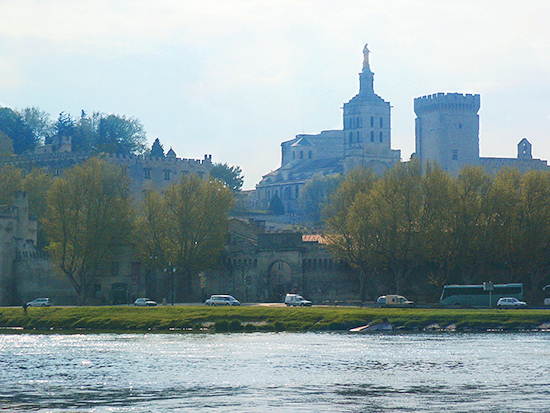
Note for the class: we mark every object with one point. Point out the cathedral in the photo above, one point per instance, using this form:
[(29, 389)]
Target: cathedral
[(364, 141), (446, 132)]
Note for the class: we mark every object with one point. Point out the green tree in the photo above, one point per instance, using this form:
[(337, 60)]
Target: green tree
[(14, 127), (119, 134), (396, 220), (88, 219), (185, 228), (316, 194), (39, 122), (6, 145), (348, 220), (276, 206), (157, 149), (11, 180), (231, 176)]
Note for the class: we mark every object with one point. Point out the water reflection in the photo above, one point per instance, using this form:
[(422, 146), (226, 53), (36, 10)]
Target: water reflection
[(315, 372)]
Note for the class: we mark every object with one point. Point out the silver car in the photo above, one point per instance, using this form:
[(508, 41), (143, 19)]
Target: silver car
[(145, 302), (222, 300), (39, 302), (510, 302)]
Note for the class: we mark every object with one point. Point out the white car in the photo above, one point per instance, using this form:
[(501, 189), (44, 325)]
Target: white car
[(145, 302), (510, 302), (296, 300), (39, 302), (222, 300)]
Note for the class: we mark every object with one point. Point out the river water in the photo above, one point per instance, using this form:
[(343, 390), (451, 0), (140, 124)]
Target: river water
[(275, 372)]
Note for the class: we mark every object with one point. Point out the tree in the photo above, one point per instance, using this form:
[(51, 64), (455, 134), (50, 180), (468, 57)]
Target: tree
[(315, 195), (185, 228), (119, 134), (14, 127), (6, 145), (11, 180), (39, 122), (276, 206), (347, 221), (157, 149), (88, 218), (229, 175)]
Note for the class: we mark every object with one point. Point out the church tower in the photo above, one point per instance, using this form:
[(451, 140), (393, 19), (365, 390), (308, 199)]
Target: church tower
[(367, 126)]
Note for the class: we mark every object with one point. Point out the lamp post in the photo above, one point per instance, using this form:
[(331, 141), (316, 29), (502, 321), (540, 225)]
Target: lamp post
[(173, 274)]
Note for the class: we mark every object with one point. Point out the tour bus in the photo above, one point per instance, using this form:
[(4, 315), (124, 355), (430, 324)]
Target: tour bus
[(478, 295)]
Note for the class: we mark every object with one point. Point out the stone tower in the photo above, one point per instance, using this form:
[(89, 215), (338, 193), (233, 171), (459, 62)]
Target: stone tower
[(367, 126), (447, 130)]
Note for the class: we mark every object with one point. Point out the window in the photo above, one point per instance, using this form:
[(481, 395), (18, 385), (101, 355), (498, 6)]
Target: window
[(293, 155), (372, 121), (310, 155), (115, 268), (297, 192), (351, 137), (381, 137), (147, 173), (166, 174), (372, 136), (358, 136), (455, 154), (381, 122), (301, 154)]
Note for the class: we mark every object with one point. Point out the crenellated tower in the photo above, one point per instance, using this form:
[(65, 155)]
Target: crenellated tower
[(447, 130)]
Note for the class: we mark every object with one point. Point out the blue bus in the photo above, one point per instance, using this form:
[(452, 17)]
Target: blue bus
[(477, 295)]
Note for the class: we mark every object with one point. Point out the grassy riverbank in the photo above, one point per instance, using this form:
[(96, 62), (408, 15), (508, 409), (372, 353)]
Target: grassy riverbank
[(260, 318)]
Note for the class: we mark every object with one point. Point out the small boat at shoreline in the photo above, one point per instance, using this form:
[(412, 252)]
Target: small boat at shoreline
[(385, 325)]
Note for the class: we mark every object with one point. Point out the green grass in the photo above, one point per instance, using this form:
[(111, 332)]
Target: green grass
[(258, 318)]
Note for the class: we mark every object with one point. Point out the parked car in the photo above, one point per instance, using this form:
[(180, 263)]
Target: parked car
[(222, 300), (145, 302), (39, 302), (393, 301), (296, 300), (510, 302), (381, 301)]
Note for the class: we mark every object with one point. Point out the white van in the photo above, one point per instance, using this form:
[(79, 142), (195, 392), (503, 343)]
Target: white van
[(296, 300)]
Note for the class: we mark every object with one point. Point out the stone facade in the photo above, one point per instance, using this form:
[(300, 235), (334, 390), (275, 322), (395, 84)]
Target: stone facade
[(447, 132), (259, 266), (364, 141)]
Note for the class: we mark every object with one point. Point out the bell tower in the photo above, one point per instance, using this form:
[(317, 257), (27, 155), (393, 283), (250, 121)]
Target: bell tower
[(367, 126)]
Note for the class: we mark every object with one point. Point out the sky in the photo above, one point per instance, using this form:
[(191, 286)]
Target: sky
[(236, 78)]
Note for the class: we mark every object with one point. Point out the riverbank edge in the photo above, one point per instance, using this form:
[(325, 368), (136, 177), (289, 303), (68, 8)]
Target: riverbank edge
[(261, 318)]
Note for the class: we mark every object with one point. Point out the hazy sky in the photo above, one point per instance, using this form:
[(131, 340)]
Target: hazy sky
[(235, 78)]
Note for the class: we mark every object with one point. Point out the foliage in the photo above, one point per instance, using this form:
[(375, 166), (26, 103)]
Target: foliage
[(11, 180), (185, 227), (88, 218), (231, 176), (276, 206), (119, 134), (39, 122), (157, 149), (6, 145), (423, 227), (315, 195), (13, 125)]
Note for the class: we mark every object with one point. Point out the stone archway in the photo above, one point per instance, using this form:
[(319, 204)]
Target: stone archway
[(279, 281)]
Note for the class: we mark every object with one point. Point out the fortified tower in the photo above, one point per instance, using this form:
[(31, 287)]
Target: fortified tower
[(367, 126), (447, 130)]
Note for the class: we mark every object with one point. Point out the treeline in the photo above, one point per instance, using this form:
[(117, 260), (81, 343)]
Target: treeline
[(21, 131), (414, 230), (88, 219)]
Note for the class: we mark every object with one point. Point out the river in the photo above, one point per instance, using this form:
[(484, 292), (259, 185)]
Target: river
[(275, 372)]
